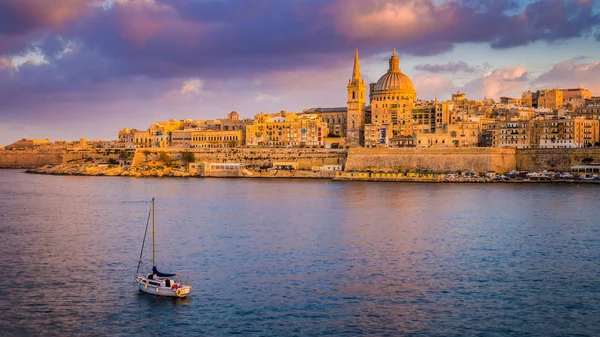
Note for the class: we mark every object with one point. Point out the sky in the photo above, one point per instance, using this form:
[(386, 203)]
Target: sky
[(87, 68)]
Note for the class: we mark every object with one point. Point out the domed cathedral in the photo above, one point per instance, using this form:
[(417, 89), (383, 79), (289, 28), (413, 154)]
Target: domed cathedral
[(390, 112)]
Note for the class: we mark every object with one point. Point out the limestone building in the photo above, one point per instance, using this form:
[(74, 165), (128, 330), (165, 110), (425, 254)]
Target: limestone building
[(217, 138), (586, 132), (511, 134), (575, 97), (390, 110), (550, 99), (356, 103), (286, 129)]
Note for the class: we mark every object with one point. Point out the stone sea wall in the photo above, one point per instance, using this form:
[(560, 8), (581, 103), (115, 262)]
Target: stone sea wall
[(438, 160), (30, 158), (357, 159), (98, 156), (555, 159), (250, 157)]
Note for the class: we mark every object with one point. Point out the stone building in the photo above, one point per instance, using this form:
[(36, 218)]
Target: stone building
[(510, 101), (575, 97), (392, 100), (511, 134), (142, 139), (590, 109), (336, 119), (553, 133), (181, 138), (217, 138), (356, 103), (586, 132), (550, 99), (287, 129), (26, 144), (528, 98), (389, 113), (461, 134), (126, 138)]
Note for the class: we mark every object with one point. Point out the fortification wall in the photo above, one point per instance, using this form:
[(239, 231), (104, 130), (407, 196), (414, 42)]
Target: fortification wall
[(555, 159), (29, 158), (251, 157), (439, 160), (97, 156)]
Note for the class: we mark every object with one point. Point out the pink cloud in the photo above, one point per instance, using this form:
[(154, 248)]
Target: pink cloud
[(6, 63), (428, 87), (29, 14), (572, 74), (506, 81), (139, 21)]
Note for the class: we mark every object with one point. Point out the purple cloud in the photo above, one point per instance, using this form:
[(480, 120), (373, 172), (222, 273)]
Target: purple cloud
[(572, 74), (137, 48), (450, 67)]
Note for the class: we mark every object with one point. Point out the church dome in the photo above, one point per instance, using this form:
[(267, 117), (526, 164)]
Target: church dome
[(394, 82)]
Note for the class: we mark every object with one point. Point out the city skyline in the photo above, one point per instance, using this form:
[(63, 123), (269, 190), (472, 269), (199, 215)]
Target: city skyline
[(87, 68)]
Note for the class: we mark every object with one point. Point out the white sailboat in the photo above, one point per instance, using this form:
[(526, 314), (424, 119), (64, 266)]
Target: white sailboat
[(157, 283)]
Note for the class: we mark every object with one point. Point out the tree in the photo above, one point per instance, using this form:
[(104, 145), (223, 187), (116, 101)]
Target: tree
[(188, 157), (146, 154), (165, 158), (123, 155)]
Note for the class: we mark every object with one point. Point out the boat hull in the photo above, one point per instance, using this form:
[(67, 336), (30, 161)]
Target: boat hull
[(163, 291)]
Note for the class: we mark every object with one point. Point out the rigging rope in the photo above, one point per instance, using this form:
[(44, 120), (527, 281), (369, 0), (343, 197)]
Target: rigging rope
[(143, 242)]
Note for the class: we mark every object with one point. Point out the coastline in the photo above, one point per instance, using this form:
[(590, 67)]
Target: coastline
[(154, 172)]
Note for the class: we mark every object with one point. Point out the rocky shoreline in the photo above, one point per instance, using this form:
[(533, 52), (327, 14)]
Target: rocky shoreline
[(100, 170)]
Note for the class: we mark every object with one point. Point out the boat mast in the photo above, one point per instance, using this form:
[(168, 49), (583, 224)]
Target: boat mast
[(153, 255)]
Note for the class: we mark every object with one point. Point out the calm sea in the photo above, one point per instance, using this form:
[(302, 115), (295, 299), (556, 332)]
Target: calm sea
[(299, 257)]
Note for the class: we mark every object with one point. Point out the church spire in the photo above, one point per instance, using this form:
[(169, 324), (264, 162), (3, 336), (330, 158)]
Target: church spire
[(356, 71)]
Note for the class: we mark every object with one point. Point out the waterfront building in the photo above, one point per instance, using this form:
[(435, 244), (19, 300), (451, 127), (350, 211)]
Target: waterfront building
[(161, 132), (217, 138), (392, 100), (126, 138), (142, 139), (586, 132), (287, 129), (461, 134), (553, 133), (27, 144), (511, 134), (181, 138), (336, 119)]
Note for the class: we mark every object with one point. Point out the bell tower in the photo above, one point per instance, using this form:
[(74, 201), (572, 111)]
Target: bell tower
[(356, 106)]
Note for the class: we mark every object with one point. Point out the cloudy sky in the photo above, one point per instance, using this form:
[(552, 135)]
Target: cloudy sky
[(86, 68)]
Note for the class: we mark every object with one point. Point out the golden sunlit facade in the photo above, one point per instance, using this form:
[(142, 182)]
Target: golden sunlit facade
[(286, 129), (390, 113), (586, 132), (217, 138)]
